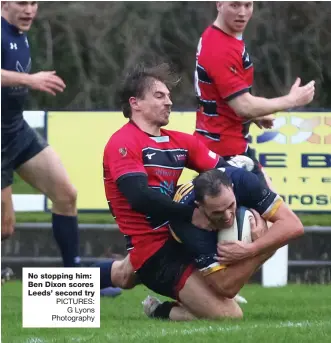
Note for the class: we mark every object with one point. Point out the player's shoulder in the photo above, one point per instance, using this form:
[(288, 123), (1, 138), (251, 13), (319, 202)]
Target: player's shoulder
[(122, 131), (7, 32), (4, 37), (231, 171), (185, 194), (216, 41), (240, 175), (125, 134), (4, 28)]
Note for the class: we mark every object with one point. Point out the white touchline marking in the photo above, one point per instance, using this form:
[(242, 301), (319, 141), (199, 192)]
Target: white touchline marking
[(53, 340), (186, 332), (114, 336), (35, 340)]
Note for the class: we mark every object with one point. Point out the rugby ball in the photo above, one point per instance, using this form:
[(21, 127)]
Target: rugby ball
[(241, 229)]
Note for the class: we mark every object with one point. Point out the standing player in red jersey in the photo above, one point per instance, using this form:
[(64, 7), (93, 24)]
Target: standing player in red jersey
[(142, 164), (223, 80)]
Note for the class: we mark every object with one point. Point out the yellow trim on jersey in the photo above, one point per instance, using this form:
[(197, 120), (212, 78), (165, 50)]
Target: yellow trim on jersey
[(182, 191), (187, 191), (215, 267), (272, 208), (175, 236)]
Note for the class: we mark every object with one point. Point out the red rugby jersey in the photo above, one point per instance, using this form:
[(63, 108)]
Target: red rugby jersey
[(223, 71), (131, 151)]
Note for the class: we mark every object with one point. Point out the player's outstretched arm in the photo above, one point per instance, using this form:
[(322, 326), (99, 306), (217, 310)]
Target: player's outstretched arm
[(285, 227), (13, 78), (249, 106), (44, 81)]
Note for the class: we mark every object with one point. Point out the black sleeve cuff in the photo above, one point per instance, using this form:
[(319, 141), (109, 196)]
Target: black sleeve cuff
[(234, 95), (222, 163)]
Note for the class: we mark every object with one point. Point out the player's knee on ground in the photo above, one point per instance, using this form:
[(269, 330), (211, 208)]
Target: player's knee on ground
[(226, 309), (204, 303), (122, 274), (64, 199), (235, 312)]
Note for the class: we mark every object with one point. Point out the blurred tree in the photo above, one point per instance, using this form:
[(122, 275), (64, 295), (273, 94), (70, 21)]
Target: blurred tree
[(90, 44)]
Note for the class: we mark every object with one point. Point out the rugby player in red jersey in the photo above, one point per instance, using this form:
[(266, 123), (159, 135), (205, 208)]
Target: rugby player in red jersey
[(223, 81), (142, 164)]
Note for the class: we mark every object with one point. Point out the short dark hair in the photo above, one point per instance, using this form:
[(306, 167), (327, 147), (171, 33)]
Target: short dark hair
[(209, 183), (138, 79)]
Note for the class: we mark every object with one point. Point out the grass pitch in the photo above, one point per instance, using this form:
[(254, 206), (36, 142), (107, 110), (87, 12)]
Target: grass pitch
[(294, 313)]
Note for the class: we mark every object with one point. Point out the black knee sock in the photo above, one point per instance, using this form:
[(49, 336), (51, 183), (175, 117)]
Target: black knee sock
[(164, 309), (4, 237), (65, 231), (105, 273)]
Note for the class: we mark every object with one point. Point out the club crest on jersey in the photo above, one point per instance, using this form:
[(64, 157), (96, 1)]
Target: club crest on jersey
[(123, 151)]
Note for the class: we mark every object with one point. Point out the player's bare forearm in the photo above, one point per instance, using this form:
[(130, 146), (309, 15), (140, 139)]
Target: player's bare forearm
[(246, 105), (278, 235), (251, 107), (13, 78)]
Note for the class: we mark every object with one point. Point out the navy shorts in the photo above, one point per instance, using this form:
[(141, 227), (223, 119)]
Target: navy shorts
[(167, 271), (18, 148)]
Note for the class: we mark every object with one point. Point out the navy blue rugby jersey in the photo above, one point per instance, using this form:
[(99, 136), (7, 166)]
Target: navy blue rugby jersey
[(15, 56), (247, 188), (202, 244)]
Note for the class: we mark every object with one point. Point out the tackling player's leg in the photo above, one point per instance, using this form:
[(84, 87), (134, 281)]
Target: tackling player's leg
[(118, 274), (122, 274)]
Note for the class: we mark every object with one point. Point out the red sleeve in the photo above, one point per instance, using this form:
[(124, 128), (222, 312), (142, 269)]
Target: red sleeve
[(122, 157), (227, 72), (200, 158)]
